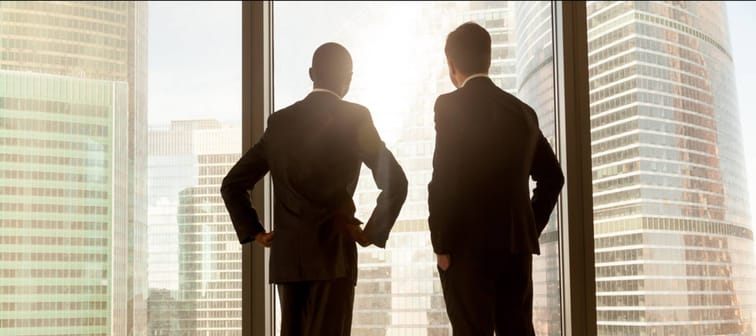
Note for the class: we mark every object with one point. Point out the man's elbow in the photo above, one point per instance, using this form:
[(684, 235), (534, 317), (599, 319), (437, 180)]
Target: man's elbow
[(559, 181), (226, 188), (402, 184)]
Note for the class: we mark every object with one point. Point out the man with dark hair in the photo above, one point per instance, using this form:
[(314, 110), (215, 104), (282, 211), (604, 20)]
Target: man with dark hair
[(484, 224), (314, 150)]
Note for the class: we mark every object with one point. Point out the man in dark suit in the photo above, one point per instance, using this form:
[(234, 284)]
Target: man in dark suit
[(314, 150), (484, 224)]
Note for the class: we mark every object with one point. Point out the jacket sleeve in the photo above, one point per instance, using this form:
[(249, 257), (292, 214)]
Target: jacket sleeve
[(442, 187), (237, 187), (389, 178), (547, 174)]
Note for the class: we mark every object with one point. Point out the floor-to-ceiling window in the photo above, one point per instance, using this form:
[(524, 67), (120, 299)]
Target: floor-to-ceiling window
[(119, 119), (399, 70)]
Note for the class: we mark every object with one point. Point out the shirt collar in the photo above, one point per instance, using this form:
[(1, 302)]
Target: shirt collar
[(481, 74), (325, 90)]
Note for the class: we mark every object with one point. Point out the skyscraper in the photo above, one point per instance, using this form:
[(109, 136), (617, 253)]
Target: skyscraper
[(72, 147), (674, 246), (195, 257)]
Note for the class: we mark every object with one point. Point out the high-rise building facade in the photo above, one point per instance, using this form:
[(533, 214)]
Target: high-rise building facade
[(209, 253), (171, 167), (674, 245), (72, 154), (195, 256)]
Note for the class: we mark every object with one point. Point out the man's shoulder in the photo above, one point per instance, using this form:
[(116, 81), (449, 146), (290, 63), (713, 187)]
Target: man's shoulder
[(443, 101), (353, 113), (284, 112), (354, 107)]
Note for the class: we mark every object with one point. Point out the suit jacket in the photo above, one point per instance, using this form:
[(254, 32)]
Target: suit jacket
[(488, 144), (314, 150)]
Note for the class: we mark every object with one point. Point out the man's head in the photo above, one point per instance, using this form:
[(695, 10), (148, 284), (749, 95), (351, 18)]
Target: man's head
[(332, 68), (468, 51)]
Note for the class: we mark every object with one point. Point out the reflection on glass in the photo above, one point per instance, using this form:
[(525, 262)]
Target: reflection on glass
[(399, 70), (194, 139), (674, 246), (196, 286), (95, 191), (72, 165)]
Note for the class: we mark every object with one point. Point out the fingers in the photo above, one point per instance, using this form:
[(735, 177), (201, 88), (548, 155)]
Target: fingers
[(264, 239), (363, 241), (267, 240), (356, 234), (443, 261)]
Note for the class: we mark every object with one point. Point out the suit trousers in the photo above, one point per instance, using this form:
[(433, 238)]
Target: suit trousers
[(317, 308), (487, 293)]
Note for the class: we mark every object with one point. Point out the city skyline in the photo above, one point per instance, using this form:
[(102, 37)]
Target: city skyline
[(105, 204), (300, 84), (740, 14), (167, 35), (195, 257)]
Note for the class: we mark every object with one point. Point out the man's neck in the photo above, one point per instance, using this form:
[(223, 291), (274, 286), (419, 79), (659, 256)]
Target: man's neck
[(322, 89), (473, 76)]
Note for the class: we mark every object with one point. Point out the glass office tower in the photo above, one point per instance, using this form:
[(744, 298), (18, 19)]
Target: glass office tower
[(72, 168), (674, 245), (195, 256)]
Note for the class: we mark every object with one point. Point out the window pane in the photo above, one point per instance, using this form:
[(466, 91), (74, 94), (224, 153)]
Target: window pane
[(194, 139), (109, 166), (399, 71), (673, 241)]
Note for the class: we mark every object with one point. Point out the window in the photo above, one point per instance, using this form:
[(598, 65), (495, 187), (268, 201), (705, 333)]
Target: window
[(399, 70), (117, 121)]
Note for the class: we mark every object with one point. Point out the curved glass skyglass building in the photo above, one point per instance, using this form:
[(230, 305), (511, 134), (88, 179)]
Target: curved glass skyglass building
[(674, 246)]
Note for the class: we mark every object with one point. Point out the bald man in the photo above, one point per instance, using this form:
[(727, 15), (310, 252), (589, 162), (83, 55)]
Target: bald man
[(314, 150)]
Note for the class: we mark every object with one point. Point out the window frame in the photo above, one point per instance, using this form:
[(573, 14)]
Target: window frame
[(576, 244)]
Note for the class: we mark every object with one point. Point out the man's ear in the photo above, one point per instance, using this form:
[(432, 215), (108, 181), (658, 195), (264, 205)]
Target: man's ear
[(345, 84), (312, 75), (452, 67), (452, 72)]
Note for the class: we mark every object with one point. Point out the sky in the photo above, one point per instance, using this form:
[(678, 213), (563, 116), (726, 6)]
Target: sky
[(742, 26), (195, 60)]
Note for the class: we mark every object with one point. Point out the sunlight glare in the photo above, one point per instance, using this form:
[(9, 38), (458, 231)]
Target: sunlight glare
[(388, 69)]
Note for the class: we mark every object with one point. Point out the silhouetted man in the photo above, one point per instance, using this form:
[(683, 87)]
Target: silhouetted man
[(314, 150), (484, 225)]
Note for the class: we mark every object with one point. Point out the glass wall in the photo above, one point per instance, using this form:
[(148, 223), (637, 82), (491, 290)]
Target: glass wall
[(194, 263), (119, 119), (72, 125), (399, 70), (673, 238), (117, 122)]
